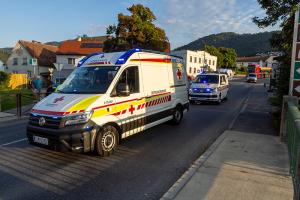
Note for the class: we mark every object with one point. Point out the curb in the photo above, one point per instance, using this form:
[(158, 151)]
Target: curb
[(184, 179), (12, 118)]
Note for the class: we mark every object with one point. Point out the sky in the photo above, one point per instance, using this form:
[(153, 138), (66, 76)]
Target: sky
[(183, 20)]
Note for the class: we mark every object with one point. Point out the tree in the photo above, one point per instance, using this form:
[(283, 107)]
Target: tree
[(280, 11), (226, 56), (4, 79), (229, 60), (136, 30)]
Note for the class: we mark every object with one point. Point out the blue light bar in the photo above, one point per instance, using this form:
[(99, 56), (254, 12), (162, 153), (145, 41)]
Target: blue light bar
[(80, 63), (124, 57)]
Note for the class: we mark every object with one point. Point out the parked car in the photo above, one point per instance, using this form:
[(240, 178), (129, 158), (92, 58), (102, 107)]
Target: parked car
[(251, 78)]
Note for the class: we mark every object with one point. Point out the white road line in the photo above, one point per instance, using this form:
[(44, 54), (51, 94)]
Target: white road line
[(13, 142), (244, 103)]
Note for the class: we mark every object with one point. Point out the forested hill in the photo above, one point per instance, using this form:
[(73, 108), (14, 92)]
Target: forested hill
[(244, 44)]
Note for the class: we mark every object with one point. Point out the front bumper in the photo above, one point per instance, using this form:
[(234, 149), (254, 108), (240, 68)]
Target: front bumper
[(203, 97), (252, 80), (79, 138)]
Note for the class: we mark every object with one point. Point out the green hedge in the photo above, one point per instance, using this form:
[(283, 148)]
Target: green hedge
[(4, 80)]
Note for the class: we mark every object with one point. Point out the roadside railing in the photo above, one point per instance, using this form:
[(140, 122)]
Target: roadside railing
[(290, 133)]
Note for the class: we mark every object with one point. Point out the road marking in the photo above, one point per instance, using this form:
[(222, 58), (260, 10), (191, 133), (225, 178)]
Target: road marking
[(244, 103), (13, 142)]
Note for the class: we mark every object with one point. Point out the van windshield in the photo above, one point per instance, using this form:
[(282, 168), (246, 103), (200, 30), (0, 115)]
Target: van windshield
[(207, 79), (89, 80)]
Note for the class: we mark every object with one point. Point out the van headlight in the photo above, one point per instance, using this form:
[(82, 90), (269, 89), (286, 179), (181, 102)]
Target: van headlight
[(78, 118)]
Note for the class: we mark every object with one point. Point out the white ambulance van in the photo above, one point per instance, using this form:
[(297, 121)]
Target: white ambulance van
[(108, 97)]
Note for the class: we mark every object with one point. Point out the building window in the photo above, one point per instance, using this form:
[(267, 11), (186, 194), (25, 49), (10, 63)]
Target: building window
[(195, 60), (25, 61), (199, 60), (194, 70), (209, 62), (191, 59), (15, 61), (213, 63), (71, 61), (205, 61), (190, 70)]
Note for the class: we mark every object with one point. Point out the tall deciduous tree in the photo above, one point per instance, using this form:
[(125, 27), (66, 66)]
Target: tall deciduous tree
[(136, 30), (226, 56), (282, 11)]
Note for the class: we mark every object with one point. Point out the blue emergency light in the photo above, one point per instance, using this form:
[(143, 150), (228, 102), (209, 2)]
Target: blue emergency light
[(123, 58)]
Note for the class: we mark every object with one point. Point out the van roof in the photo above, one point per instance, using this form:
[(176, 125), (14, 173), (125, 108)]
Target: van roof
[(116, 58)]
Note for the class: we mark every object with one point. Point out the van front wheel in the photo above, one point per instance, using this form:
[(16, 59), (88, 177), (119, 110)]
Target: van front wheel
[(106, 141), (177, 116)]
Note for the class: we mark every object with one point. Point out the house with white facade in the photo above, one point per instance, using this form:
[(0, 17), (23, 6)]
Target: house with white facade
[(70, 52), (197, 61), (262, 61), (32, 58)]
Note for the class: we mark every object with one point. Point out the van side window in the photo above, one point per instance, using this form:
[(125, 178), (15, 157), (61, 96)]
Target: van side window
[(223, 79), (130, 76)]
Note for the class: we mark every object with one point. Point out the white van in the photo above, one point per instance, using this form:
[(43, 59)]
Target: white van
[(209, 87), (110, 96)]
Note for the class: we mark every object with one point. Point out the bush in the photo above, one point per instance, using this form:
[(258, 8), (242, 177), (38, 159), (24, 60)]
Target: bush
[(4, 80)]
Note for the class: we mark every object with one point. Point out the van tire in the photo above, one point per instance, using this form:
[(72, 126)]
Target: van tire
[(192, 102), (106, 141), (177, 115)]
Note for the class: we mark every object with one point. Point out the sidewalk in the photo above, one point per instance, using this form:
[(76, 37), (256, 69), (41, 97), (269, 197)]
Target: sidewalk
[(248, 162), (10, 115)]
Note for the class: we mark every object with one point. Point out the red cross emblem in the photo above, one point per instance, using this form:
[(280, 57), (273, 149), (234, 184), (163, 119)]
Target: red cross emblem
[(131, 109), (179, 74), (59, 99)]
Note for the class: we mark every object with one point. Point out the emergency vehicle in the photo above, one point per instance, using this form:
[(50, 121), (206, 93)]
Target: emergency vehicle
[(209, 87), (108, 97)]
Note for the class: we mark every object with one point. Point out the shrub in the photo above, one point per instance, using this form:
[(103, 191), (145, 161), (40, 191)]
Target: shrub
[(4, 80)]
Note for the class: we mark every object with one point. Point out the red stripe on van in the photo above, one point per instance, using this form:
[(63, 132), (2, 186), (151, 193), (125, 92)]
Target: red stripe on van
[(159, 60), (47, 112)]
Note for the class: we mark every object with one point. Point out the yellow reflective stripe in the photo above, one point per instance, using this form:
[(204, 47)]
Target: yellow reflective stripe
[(83, 104), (120, 107), (116, 108)]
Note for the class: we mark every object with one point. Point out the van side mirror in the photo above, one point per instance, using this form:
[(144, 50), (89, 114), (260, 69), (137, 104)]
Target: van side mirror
[(123, 89)]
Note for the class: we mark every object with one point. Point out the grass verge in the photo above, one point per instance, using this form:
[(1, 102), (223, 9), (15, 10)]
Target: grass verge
[(8, 98)]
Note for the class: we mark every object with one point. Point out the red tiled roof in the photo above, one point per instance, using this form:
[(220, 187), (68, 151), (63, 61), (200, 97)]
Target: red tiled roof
[(84, 47), (45, 54), (252, 59)]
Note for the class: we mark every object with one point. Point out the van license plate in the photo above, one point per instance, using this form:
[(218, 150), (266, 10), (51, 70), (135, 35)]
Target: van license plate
[(40, 140)]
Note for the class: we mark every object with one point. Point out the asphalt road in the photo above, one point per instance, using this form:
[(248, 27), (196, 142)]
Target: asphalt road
[(144, 167)]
